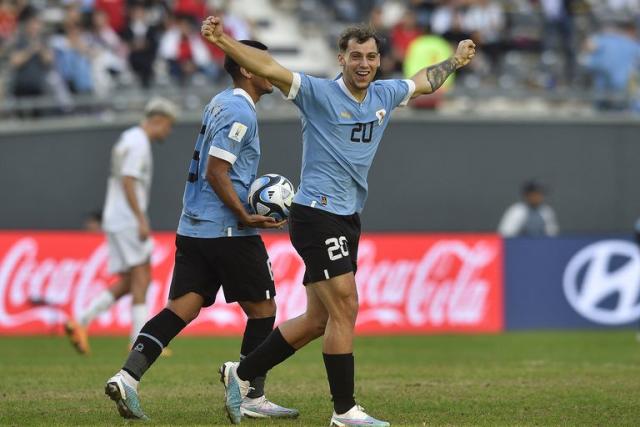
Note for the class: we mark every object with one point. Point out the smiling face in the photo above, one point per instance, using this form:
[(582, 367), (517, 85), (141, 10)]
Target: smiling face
[(359, 62)]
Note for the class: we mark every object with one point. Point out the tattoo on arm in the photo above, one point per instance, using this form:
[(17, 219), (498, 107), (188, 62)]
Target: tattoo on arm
[(438, 73)]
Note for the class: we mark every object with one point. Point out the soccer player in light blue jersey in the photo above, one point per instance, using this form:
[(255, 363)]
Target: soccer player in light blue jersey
[(217, 244), (342, 124)]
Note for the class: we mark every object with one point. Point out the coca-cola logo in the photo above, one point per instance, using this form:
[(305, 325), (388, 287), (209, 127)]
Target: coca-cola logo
[(51, 288), (435, 284), (443, 286)]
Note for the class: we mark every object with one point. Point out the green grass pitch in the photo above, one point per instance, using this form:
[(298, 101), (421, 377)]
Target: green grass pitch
[(533, 378)]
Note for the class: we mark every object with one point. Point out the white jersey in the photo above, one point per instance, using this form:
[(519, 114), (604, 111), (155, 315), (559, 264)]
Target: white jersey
[(130, 156)]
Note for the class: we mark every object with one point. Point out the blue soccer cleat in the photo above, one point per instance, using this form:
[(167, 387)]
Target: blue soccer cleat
[(235, 390), (356, 417), (261, 407), (125, 397)]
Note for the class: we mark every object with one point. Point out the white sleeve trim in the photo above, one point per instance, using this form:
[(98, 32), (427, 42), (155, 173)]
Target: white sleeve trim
[(512, 220), (222, 154), (412, 88), (295, 86)]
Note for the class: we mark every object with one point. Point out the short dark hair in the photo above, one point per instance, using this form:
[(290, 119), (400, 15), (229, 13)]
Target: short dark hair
[(232, 66), (532, 186), (361, 33)]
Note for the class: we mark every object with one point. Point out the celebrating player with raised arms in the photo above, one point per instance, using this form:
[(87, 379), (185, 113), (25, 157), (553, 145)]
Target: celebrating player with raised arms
[(343, 121), (217, 244)]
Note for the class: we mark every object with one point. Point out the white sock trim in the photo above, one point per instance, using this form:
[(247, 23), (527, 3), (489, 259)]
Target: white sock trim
[(100, 304), (131, 382), (152, 338), (138, 319)]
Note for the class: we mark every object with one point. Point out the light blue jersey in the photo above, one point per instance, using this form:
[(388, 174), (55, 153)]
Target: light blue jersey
[(340, 137), (230, 132)]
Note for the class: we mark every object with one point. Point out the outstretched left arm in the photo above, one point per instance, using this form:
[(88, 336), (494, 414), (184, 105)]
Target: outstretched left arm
[(429, 79)]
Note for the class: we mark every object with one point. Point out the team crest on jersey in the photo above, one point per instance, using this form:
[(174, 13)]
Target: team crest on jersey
[(380, 115), (345, 115), (237, 131), (323, 200)]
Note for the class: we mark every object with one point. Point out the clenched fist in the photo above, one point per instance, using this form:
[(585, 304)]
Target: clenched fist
[(465, 52), (211, 29)]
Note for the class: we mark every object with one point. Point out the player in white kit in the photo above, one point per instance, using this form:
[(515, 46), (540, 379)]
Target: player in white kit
[(125, 221)]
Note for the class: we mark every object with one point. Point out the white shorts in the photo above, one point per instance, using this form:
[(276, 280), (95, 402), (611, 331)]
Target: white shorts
[(126, 250)]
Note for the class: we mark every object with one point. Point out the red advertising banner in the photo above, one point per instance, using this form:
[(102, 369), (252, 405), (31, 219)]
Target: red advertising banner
[(407, 283)]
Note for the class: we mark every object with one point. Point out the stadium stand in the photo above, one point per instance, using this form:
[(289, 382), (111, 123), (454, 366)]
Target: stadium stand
[(98, 58)]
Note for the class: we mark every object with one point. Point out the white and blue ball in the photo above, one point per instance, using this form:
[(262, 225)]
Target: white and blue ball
[(271, 195)]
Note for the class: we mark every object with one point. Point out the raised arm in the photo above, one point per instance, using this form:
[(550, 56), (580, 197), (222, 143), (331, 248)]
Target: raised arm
[(429, 79), (254, 60)]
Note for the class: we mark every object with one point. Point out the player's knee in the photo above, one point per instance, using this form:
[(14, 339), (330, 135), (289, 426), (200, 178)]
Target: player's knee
[(318, 327), (188, 315), (259, 309), (349, 306), (346, 312)]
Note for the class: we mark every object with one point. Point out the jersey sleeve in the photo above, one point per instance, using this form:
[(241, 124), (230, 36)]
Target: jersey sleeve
[(134, 159), (398, 92), (307, 90), (233, 129)]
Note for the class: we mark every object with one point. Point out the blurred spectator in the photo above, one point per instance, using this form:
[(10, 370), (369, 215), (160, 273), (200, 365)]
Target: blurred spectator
[(197, 9), (559, 32), (485, 21), (530, 217), (93, 222), (234, 25), (404, 32), (426, 50), (351, 11), (115, 10), (448, 20), (109, 53), (185, 51), (8, 21), (423, 10), (607, 8), (73, 58), (142, 39), (387, 62), (30, 58), (613, 58)]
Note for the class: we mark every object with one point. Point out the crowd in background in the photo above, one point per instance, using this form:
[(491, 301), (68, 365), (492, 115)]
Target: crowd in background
[(586, 46), (93, 47)]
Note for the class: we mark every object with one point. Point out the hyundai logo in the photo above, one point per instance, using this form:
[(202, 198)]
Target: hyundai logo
[(602, 282)]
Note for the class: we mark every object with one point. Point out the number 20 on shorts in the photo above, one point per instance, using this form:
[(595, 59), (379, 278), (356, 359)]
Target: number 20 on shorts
[(337, 247)]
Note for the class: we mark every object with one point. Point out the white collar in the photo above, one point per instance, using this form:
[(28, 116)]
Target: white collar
[(346, 90), (242, 92)]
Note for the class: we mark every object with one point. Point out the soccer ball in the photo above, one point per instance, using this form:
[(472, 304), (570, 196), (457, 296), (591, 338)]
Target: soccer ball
[(271, 195)]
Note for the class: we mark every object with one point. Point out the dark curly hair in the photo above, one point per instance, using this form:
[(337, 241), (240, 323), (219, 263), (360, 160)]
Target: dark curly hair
[(360, 33)]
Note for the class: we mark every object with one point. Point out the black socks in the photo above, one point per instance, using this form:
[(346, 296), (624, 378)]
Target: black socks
[(275, 349), (340, 372), (154, 336), (256, 331)]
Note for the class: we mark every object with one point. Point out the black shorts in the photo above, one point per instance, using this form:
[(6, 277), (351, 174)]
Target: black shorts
[(239, 264), (327, 243)]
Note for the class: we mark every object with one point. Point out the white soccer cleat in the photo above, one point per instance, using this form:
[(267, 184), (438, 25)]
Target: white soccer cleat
[(125, 398), (261, 407), (356, 417), (235, 390)]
